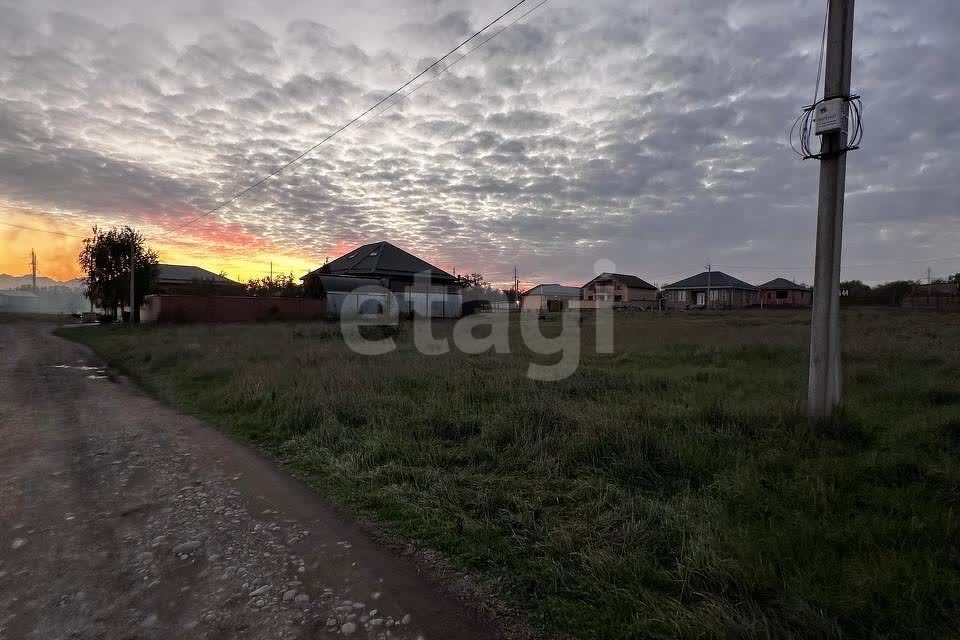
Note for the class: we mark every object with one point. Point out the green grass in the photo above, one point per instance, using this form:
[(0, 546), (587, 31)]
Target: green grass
[(671, 489)]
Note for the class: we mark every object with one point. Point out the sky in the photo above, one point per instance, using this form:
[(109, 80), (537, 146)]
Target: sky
[(649, 135)]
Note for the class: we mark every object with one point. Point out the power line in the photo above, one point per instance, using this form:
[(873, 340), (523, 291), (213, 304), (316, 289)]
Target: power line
[(442, 71), (883, 263), (823, 45), (453, 64), (39, 230), (301, 155)]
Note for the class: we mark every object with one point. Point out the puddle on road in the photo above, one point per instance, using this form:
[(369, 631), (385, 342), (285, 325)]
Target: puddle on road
[(99, 373)]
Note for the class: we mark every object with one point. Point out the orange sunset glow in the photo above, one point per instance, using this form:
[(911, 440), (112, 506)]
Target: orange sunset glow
[(213, 246)]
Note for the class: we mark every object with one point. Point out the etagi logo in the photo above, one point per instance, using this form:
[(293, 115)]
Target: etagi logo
[(374, 305)]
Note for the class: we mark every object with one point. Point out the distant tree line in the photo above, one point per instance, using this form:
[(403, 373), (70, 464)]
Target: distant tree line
[(890, 293), (283, 286), (475, 287)]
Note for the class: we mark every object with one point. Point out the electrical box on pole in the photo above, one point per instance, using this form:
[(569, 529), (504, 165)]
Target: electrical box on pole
[(831, 116)]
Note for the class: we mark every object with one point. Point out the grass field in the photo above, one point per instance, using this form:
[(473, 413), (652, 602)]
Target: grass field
[(672, 489)]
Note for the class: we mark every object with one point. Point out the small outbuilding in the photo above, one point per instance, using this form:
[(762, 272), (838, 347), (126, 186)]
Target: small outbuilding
[(548, 297), (781, 292), (19, 301), (709, 290), (618, 290)]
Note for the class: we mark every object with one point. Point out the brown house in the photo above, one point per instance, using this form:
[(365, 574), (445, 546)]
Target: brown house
[(781, 292), (618, 290), (709, 290)]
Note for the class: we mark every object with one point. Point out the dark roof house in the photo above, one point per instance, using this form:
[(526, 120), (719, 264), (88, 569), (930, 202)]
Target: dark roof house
[(629, 281), (783, 284), (557, 290), (180, 273), (781, 292), (712, 289), (619, 290), (716, 280), (382, 260), (179, 278)]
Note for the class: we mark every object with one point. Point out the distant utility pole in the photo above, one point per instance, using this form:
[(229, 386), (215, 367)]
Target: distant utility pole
[(271, 271), (33, 268), (709, 268), (825, 382), (133, 271)]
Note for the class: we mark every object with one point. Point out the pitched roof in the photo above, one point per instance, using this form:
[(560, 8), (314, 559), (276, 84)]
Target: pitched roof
[(179, 273), (381, 259), (553, 289), (717, 279), (632, 282), (783, 283)]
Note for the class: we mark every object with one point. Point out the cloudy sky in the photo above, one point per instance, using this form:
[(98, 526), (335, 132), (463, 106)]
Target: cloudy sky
[(650, 134)]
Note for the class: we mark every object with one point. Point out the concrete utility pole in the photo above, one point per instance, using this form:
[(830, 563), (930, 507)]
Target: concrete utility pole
[(133, 271), (709, 268), (33, 268), (825, 382)]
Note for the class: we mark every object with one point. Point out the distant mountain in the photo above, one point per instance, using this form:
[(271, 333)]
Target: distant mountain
[(12, 282)]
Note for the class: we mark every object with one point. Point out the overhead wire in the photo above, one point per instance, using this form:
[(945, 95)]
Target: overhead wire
[(442, 71), (39, 230), (342, 128), (800, 132)]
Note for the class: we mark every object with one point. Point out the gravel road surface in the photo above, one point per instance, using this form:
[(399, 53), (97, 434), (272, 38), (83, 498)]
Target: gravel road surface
[(123, 518)]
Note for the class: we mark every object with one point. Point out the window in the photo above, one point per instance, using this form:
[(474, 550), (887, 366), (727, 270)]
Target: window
[(781, 295), (589, 297), (681, 296), (371, 307), (617, 298), (714, 295)]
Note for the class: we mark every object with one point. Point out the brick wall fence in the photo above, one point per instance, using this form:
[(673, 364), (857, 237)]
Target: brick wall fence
[(187, 308)]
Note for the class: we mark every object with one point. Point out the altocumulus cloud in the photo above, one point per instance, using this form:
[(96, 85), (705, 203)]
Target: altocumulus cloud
[(649, 133)]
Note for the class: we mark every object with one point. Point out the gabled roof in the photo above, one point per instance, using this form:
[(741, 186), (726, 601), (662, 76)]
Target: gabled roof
[(632, 282), (783, 283), (553, 289), (179, 273), (380, 259), (717, 279)]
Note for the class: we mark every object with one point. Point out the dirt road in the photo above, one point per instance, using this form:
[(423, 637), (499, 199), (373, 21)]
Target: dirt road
[(122, 518)]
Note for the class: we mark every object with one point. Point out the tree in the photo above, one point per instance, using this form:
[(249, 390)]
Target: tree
[(892, 293), (105, 259), (281, 285), (474, 287)]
